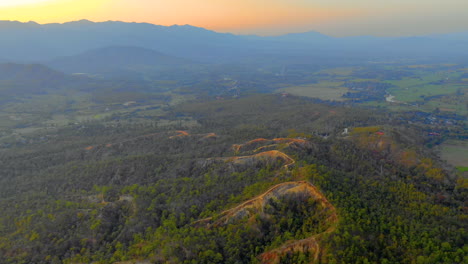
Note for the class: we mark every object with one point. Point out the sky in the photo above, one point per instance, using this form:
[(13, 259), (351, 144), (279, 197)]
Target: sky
[(261, 17)]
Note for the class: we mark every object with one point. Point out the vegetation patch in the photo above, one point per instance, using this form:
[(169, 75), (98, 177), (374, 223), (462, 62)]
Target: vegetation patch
[(324, 90)]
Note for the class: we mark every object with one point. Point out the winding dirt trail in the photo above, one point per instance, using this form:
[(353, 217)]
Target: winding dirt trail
[(310, 244), (258, 203)]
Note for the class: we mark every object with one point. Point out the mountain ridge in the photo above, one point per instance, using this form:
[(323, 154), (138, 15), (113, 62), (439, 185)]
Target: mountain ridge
[(82, 22), (33, 42)]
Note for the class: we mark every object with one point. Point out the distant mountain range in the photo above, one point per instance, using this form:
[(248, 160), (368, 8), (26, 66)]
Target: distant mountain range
[(67, 46)]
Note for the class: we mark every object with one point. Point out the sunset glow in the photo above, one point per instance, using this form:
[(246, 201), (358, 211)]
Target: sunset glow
[(9, 3), (250, 16)]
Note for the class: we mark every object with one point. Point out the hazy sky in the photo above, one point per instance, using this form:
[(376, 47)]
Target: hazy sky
[(263, 17)]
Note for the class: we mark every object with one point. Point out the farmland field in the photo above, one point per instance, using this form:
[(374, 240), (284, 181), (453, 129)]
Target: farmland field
[(455, 153)]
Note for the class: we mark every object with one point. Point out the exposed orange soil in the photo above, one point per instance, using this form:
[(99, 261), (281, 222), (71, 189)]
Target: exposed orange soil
[(304, 245), (263, 148), (89, 148), (309, 244), (181, 133), (257, 140), (210, 135), (237, 147), (257, 204), (290, 140)]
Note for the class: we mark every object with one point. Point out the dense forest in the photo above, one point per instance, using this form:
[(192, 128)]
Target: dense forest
[(255, 179)]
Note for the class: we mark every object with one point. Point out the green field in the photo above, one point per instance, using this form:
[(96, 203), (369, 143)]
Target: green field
[(424, 88), (455, 153), (417, 93), (426, 84)]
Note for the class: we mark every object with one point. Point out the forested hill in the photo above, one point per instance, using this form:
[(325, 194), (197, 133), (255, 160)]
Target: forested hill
[(27, 73), (19, 80), (259, 179)]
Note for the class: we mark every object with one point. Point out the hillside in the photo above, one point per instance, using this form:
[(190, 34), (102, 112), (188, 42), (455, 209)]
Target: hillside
[(231, 182), (267, 204), (19, 80), (28, 73), (137, 143), (116, 58)]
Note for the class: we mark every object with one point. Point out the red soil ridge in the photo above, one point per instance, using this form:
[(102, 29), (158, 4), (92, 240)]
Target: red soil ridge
[(237, 147), (305, 245), (181, 133), (210, 135)]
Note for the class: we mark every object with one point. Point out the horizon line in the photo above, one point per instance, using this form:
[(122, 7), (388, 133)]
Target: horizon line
[(231, 33)]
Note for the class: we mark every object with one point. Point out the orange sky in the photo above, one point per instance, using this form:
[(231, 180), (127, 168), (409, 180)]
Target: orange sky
[(264, 17)]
